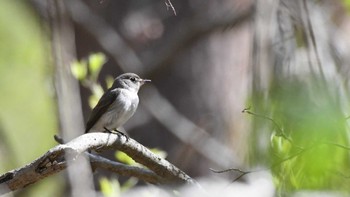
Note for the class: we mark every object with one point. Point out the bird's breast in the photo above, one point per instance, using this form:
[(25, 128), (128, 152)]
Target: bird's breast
[(127, 100), (122, 108)]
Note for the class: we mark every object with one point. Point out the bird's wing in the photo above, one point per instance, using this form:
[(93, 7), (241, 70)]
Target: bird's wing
[(102, 106)]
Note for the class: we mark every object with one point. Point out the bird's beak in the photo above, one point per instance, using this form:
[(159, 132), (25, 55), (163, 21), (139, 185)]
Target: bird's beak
[(143, 81)]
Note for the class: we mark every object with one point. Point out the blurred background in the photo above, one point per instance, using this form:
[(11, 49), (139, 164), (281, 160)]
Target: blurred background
[(260, 86)]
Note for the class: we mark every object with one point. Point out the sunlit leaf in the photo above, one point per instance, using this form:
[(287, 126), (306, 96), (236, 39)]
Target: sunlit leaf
[(79, 70), (96, 62), (109, 81), (346, 4), (159, 152), (122, 157), (310, 117), (93, 100), (97, 92), (130, 183), (110, 188)]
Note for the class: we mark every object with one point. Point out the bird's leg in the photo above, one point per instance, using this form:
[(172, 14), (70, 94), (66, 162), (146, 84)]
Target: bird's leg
[(116, 131), (109, 131)]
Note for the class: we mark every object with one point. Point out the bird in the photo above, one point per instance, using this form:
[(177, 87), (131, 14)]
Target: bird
[(117, 105)]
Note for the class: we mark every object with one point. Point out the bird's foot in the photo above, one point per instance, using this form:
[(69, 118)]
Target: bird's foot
[(116, 131)]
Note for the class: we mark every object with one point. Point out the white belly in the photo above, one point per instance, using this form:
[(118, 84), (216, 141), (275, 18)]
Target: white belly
[(119, 112)]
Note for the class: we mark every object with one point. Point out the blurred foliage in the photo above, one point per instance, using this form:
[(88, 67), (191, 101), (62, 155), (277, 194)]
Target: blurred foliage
[(346, 4), (28, 114), (93, 64), (107, 186), (110, 188), (124, 158), (308, 141)]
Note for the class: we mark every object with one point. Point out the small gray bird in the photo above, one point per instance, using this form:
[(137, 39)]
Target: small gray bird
[(117, 104)]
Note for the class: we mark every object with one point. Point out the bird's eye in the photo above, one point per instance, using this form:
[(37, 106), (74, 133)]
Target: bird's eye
[(133, 79)]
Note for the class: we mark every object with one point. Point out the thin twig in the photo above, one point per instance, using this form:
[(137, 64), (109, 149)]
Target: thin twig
[(170, 5), (280, 133), (289, 158), (335, 144), (340, 174), (242, 172), (227, 170), (302, 151)]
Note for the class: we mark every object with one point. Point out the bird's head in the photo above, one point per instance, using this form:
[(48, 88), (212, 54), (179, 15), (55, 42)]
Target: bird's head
[(129, 81)]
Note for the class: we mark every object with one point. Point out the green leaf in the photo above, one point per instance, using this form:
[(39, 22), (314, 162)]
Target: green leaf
[(93, 101), (124, 158), (109, 81), (280, 145), (110, 188), (79, 70), (130, 183), (95, 63), (159, 152), (97, 92), (346, 4)]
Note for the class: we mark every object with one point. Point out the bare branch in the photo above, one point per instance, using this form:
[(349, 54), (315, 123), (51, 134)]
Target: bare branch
[(124, 170), (159, 170)]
